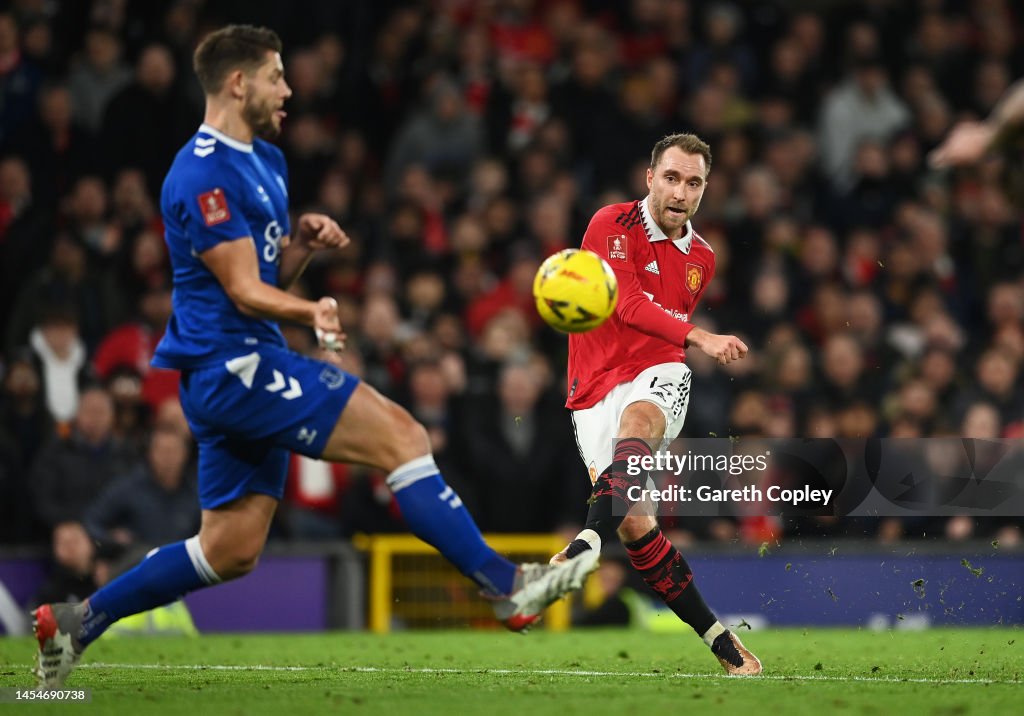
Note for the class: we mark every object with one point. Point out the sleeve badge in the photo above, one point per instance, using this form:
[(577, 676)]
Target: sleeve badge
[(617, 250), (214, 207)]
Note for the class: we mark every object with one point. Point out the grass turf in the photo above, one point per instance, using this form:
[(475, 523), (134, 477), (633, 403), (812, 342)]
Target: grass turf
[(940, 671)]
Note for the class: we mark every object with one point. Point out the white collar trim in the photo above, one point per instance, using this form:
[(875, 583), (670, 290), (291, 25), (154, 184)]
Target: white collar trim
[(654, 232), (220, 136)]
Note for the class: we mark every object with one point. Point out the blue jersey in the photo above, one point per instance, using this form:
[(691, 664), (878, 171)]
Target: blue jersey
[(219, 189)]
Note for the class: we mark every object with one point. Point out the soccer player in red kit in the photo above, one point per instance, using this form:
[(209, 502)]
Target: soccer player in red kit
[(628, 384)]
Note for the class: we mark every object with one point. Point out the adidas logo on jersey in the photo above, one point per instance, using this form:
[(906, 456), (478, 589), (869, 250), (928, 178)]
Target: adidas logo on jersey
[(653, 268)]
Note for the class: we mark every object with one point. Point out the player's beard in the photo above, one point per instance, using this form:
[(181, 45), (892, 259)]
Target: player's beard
[(669, 222), (260, 117)]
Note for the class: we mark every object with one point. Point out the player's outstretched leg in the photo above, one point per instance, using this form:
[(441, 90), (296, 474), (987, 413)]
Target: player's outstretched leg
[(228, 544), (64, 630), (374, 431), (658, 562), (652, 555)]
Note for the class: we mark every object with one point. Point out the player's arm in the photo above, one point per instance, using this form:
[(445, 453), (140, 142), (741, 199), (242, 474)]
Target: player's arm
[(637, 311), (315, 232), (221, 238), (236, 267), (969, 141)]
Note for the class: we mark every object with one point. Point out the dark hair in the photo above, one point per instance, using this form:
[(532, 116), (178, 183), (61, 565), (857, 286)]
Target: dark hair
[(58, 312), (233, 47), (689, 143)]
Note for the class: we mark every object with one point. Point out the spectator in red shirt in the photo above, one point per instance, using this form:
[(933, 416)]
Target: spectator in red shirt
[(131, 346)]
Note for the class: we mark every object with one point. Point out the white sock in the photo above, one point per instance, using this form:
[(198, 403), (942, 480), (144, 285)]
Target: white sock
[(711, 634), (592, 538)]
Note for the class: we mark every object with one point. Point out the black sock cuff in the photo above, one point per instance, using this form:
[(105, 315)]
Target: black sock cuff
[(576, 547), (703, 618), (643, 541), (630, 447)]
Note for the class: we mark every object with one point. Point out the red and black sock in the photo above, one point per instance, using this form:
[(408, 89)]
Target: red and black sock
[(609, 500), (668, 574)]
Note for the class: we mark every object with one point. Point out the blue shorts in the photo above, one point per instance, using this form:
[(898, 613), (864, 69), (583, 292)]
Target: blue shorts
[(250, 411)]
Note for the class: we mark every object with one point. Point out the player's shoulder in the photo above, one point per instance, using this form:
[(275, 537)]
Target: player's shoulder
[(267, 150), (200, 155), (201, 159), (273, 157), (208, 146), (701, 242), (624, 214)]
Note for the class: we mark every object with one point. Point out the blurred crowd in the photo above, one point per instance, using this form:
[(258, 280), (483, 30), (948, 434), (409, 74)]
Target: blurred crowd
[(459, 143)]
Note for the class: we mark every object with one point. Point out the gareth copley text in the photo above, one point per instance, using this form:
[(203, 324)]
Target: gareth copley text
[(749, 494)]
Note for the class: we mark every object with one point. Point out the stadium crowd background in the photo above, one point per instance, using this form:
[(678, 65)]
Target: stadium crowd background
[(459, 143)]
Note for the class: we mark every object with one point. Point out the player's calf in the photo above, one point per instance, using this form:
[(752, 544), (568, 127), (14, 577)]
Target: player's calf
[(231, 557), (613, 495), (666, 572), (232, 536), (611, 503)]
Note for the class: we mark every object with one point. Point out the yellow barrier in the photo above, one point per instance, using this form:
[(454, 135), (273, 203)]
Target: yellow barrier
[(412, 586)]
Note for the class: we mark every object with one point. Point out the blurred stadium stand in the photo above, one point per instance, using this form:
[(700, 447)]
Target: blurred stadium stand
[(459, 143)]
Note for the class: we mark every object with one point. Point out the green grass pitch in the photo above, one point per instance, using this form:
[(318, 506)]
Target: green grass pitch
[(592, 672)]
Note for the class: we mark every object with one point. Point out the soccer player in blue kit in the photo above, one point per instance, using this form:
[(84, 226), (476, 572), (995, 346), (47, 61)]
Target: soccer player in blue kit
[(248, 399)]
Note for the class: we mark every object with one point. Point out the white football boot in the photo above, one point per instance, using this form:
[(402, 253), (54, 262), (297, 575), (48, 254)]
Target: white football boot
[(56, 628), (538, 585)]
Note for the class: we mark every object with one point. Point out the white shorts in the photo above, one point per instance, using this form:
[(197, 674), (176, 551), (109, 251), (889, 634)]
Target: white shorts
[(667, 385)]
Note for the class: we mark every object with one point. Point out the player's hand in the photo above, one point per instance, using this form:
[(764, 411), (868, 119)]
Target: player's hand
[(332, 357), (319, 231), (967, 143), (724, 349), (327, 325)]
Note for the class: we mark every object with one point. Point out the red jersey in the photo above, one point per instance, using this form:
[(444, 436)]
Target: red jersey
[(660, 283)]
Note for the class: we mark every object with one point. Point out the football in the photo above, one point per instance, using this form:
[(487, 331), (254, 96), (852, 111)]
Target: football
[(575, 290)]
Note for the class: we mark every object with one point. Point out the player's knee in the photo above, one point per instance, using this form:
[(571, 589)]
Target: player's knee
[(242, 560), (407, 438), (642, 420), (234, 557), (634, 527)]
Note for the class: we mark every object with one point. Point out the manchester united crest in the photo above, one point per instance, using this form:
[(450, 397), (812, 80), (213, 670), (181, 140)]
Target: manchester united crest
[(694, 277)]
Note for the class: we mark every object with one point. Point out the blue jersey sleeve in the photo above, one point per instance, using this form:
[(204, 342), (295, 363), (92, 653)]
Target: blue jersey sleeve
[(212, 209)]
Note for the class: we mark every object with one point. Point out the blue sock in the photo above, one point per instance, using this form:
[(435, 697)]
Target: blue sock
[(437, 516), (166, 574)]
